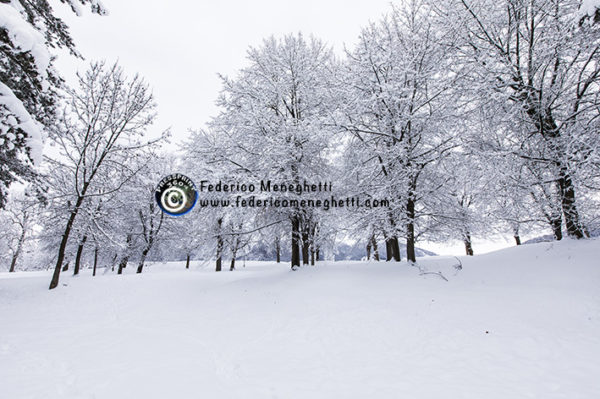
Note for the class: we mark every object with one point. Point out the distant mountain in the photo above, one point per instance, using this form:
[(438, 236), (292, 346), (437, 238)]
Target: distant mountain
[(535, 240), (550, 237), (358, 252), (343, 252)]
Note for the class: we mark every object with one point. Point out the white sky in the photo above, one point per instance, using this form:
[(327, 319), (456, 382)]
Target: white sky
[(180, 46)]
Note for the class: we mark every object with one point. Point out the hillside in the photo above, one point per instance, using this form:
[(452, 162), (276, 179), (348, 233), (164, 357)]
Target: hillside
[(518, 323)]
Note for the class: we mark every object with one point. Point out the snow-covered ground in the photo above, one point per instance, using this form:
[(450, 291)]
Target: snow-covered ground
[(523, 322)]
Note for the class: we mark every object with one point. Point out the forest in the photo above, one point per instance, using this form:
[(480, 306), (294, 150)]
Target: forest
[(473, 118)]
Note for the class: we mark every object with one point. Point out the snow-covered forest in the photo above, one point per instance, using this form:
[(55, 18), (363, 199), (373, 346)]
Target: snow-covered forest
[(445, 122), (472, 119)]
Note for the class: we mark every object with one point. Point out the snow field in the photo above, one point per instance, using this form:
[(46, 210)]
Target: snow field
[(518, 323)]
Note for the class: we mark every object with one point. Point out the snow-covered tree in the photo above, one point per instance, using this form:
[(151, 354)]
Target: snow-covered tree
[(399, 108), (29, 31), (274, 120), (18, 221), (536, 62), (101, 130)]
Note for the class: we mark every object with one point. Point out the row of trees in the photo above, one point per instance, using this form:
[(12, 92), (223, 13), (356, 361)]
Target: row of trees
[(474, 118)]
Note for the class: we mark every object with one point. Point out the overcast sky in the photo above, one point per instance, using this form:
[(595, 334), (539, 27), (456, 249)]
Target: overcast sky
[(180, 46)]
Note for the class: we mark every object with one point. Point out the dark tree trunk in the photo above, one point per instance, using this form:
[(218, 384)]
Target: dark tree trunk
[(187, 261), (388, 249), (516, 234), (392, 245), (410, 243), (318, 254), (410, 225), (396, 249), (232, 265), (150, 236), (278, 249), (78, 256), (125, 258), (219, 247), (113, 262), (313, 234), (295, 242), (369, 249), (65, 238), (567, 193), (468, 245), (65, 267), (556, 224), (305, 246), (375, 250), (517, 239), (95, 260), (392, 249), (123, 264), (140, 267), (15, 257)]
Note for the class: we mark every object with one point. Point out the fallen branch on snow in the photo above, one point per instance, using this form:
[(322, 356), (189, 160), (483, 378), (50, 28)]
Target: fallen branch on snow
[(423, 272)]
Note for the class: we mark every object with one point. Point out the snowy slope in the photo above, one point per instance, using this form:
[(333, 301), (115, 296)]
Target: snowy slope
[(519, 323)]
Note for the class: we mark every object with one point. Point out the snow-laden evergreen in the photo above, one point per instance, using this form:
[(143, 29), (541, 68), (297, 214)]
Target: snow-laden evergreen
[(29, 83)]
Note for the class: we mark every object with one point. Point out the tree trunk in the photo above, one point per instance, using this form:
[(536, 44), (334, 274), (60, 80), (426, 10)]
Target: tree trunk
[(516, 234), (410, 225), (392, 245), (113, 262), (149, 237), (219, 247), (65, 238), (305, 246), (396, 249), (125, 258), (410, 242), (318, 254), (295, 242), (556, 225), (143, 258), (392, 249), (123, 264), (95, 261), (468, 245), (313, 234), (375, 250), (65, 267), (78, 256), (567, 191), (278, 249), (388, 249), (15, 257), (369, 249), (234, 250), (187, 261)]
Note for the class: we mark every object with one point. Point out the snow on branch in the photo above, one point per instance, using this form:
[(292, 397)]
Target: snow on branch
[(20, 118)]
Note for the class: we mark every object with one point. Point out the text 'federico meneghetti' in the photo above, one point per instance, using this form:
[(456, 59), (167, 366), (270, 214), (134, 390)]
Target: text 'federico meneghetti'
[(265, 186)]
